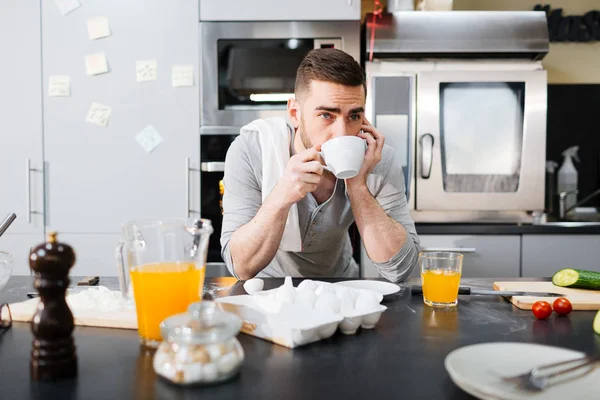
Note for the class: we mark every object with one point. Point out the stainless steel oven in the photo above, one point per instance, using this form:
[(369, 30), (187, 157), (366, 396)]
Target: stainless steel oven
[(468, 122), (213, 149), (248, 69)]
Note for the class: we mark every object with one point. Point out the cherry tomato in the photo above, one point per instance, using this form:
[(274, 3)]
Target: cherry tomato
[(562, 306), (541, 309)]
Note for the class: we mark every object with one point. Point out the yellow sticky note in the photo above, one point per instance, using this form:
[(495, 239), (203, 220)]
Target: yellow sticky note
[(96, 64), (98, 28)]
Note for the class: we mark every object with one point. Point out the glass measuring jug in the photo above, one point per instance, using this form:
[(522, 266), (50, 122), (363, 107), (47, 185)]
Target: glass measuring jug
[(162, 264)]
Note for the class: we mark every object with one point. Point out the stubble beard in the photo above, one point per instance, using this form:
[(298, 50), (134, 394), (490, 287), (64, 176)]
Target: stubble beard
[(303, 136)]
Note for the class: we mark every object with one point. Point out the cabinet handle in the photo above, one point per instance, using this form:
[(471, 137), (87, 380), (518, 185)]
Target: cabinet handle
[(213, 166), (28, 170), (450, 249), (187, 187), (426, 142)]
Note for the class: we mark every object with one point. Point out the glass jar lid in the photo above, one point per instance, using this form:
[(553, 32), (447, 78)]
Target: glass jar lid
[(203, 323)]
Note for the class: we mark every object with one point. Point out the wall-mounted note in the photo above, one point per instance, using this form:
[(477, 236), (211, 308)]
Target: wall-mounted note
[(98, 28), (183, 75), (96, 64), (149, 138), (98, 114), (66, 6), (145, 70), (59, 86)]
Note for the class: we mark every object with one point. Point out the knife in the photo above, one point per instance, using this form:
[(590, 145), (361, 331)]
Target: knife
[(466, 290)]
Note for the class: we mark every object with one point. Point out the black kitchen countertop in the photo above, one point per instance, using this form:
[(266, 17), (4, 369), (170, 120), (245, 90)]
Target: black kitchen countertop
[(403, 357), (503, 229)]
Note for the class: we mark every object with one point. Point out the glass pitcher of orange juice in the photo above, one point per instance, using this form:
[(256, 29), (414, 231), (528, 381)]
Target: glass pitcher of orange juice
[(162, 263)]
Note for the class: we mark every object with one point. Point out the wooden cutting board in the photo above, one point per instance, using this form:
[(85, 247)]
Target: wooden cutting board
[(580, 299), (122, 318)]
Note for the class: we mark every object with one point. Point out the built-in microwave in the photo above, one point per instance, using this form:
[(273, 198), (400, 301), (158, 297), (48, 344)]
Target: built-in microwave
[(248, 69)]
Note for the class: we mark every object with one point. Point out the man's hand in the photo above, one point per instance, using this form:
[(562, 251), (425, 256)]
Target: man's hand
[(375, 141), (302, 175)]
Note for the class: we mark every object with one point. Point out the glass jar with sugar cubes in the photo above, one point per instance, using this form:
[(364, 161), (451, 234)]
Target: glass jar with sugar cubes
[(199, 346)]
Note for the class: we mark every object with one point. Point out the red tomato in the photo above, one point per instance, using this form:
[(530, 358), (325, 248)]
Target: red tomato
[(562, 306), (541, 309)]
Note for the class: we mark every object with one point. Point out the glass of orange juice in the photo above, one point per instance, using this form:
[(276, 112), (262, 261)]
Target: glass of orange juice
[(440, 278), (162, 263)]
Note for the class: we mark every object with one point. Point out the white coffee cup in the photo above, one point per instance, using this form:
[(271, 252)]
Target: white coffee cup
[(344, 155)]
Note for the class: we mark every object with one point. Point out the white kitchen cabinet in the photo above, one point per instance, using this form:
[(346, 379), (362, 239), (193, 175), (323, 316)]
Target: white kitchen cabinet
[(19, 246), (21, 129), (485, 256), (278, 10), (543, 255), (99, 177), (95, 254), (488, 256)]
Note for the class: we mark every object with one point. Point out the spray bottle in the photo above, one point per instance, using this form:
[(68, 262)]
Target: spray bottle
[(551, 167), (567, 176)]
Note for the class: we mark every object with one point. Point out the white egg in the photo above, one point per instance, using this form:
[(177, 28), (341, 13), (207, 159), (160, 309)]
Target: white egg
[(287, 292), (254, 285), (306, 297), (328, 301), (307, 284), (366, 301), (324, 288), (343, 292), (347, 305)]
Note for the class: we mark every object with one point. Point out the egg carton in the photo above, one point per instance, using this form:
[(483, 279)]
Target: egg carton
[(293, 325)]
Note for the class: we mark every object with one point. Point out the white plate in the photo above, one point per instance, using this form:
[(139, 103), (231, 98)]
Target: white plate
[(478, 370), (385, 288)]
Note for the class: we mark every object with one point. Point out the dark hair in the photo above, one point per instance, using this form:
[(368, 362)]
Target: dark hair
[(329, 65)]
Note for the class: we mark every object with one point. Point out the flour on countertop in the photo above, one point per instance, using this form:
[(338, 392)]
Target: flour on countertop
[(99, 298)]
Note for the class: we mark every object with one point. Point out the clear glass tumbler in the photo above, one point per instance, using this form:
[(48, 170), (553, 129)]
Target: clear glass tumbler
[(440, 278)]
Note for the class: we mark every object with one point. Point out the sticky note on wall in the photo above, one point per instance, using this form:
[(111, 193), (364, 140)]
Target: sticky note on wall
[(99, 114), (145, 70), (67, 6), (96, 64), (149, 138), (98, 28), (183, 75), (59, 86)]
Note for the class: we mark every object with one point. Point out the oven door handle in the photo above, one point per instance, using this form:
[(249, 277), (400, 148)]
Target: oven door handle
[(189, 169), (426, 142), (212, 166)]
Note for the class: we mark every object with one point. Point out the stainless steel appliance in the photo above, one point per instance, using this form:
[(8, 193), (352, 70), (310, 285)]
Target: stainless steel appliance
[(462, 97), (248, 69), (213, 149)]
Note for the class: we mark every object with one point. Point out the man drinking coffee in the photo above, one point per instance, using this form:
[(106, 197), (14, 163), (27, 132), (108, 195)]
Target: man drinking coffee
[(285, 213)]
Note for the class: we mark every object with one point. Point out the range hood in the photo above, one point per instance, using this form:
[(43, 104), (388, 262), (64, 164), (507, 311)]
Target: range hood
[(460, 34)]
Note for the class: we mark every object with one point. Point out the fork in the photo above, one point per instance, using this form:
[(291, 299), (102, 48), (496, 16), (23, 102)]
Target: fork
[(536, 380)]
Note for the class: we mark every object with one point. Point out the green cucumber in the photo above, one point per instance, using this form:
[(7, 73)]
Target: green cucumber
[(577, 278), (597, 323)]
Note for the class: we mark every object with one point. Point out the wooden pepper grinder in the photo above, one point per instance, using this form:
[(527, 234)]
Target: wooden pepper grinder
[(53, 355)]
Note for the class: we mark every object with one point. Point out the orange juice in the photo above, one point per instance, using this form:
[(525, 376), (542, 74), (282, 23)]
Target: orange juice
[(440, 286), (163, 289)]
